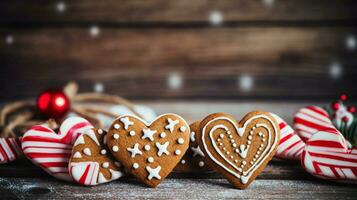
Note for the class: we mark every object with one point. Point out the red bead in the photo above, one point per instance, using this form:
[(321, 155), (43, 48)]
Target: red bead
[(345, 119), (335, 105), (343, 97), (352, 109), (53, 103)]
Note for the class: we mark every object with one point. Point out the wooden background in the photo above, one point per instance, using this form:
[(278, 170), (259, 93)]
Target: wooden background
[(284, 50)]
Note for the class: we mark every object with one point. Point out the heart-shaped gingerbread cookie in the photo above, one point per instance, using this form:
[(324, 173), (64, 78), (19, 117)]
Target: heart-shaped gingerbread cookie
[(149, 151), (239, 151), (91, 163)]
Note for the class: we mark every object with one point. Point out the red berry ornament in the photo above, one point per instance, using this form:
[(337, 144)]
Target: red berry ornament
[(352, 109), (343, 97), (53, 103), (345, 119), (335, 106)]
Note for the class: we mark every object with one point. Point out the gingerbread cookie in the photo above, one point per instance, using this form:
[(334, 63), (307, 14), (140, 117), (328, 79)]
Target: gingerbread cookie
[(91, 163), (239, 151), (149, 151), (193, 160)]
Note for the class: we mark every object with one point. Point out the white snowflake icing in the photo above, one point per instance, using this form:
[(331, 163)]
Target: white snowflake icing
[(126, 122), (153, 172), (135, 150), (148, 134), (171, 124), (162, 148)]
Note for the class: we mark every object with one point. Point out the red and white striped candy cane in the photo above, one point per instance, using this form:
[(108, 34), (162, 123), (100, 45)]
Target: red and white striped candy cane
[(50, 150), (10, 149), (310, 120), (326, 155), (290, 145)]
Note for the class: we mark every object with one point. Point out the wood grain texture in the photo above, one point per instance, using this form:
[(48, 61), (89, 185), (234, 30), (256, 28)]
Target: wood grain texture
[(19, 188), (173, 12), (277, 169), (285, 63)]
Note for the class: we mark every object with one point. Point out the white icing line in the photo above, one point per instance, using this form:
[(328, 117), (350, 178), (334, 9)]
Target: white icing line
[(240, 133)]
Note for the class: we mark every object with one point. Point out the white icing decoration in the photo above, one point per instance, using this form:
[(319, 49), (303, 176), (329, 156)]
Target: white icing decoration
[(162, 148), (126, 121), (243, 151), (135, 150), (115, 148), (77, 155), (153, 172), (162, 134), (201, 164), (80, 140), (87, 151), (115, 174), (221, 135), (105, 139), (90, 133), (150, 159), (177, 152), (132, 133), (183, 161), (171, 124), (101, 178), (234, 145), (103, 151), (116, 126), (148, 134), (182, 128), (230, 136), (100, 131), (147, 147), (246, 174), (116, 136), (244, 162), (250, 137), (105, 165), (135, 165), (260, 133), (180, 141), (197, 151), (192, 136)]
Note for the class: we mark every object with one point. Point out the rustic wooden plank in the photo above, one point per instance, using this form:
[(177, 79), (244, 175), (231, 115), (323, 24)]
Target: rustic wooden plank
[(175, 188), (288, 63), (184, 11), (277, 169)]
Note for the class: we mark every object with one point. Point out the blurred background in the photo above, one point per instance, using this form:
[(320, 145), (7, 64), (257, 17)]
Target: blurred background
[(189, 49)]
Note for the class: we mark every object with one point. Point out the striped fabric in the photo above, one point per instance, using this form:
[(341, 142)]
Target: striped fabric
[(10, 149), (327, 156), (291, 145), (310, 120), (51, 151)]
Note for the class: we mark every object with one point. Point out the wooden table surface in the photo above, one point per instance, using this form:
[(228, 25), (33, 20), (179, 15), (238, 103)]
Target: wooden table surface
[(279, 180)]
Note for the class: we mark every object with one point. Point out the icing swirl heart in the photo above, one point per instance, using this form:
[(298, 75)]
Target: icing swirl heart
[(149, 151), (239, 151)]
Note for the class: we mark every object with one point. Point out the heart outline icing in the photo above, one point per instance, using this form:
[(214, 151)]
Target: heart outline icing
[(266, 130)]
